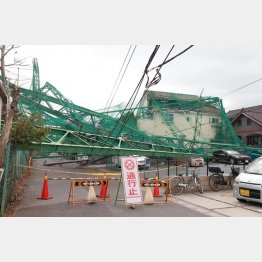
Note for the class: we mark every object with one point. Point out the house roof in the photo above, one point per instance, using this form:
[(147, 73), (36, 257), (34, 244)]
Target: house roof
[(170, 96), (254, 113), (173, 97)]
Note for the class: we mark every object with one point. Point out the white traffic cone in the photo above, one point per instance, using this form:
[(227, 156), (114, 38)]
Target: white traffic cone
[(91, 196), (149, 199)]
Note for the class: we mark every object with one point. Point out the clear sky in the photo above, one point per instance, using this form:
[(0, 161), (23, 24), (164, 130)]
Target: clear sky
[(86, 74)]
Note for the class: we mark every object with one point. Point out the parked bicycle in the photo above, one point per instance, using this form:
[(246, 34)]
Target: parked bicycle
[(179, 184), (217, 179)]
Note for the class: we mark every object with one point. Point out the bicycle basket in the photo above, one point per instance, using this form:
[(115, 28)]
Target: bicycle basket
[(215, 169)]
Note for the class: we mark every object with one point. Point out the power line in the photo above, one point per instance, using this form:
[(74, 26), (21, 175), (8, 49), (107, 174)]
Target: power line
[(167, 61), (135, 93), (16, 74), (122, 77), (156, 78), (106, 107), (133, 96), (234, 91)]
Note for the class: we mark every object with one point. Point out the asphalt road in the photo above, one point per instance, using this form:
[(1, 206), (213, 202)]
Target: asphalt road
[(59, 190)]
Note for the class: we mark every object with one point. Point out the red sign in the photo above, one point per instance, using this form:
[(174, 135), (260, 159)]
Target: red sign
[(129, 164), (131, 180)]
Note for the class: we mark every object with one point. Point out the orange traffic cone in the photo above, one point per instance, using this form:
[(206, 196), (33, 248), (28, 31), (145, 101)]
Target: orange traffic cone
[(45, 190), (156, 189), (104, 189)]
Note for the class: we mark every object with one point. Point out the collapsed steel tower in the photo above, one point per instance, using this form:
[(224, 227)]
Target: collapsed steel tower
[(75, 129)]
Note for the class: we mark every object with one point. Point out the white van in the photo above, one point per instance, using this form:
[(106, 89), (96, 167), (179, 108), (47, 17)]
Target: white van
[(143, 162), (81, 157)]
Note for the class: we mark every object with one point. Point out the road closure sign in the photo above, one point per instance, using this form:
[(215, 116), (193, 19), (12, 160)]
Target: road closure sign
[(131, 181)]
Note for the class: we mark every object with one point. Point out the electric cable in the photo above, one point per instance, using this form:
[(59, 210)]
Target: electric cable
[(172, 58), (106, 107), (155, 80), (134, 94), (122, 77), (234, 91), (157, 76)]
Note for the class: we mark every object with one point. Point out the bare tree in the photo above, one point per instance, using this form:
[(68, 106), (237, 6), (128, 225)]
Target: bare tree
[(10, 107)]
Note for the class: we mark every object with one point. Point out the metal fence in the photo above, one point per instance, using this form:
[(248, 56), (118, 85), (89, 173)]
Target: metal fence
[(11, 174)]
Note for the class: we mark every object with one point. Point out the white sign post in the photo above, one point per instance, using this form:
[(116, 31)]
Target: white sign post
[(131, 181)]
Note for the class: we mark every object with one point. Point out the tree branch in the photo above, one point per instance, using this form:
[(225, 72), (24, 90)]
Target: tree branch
[(17, 64), (8, 50)]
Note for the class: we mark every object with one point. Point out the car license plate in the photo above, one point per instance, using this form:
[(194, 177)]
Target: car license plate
[(244, 192)]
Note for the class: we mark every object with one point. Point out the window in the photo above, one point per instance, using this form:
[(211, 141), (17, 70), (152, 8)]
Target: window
[(215, 122), (254, 140), (171, 117), (187, 119), (239, 122), (249, 122)]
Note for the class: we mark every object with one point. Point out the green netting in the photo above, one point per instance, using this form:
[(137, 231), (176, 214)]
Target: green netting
[(163, 123), (191, 120), (177, 121)]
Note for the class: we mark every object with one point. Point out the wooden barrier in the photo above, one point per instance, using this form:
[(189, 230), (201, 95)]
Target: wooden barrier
[(87, 182), (152, 183)]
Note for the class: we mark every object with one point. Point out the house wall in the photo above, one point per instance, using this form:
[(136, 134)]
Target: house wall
[(184, 121), (245, 130)]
